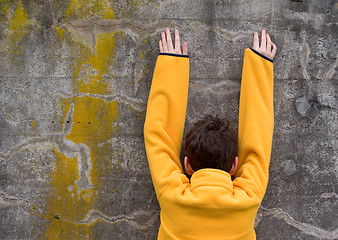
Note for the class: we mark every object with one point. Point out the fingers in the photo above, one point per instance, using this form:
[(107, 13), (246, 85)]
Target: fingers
[(274, 50), (266, 47), (161, 46), (166, 45), (255, 41), (164, 42), (177, 42), (263, 39), (185, 48), (268, 42), (169, 42)]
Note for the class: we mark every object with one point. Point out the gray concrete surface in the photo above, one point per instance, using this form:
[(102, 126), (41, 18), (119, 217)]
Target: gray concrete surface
[(75, 77)]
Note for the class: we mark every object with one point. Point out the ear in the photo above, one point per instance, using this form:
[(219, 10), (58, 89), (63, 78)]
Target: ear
[(234, 167), (188, 167)]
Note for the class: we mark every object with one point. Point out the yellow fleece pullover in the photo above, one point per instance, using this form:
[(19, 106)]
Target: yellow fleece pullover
[(210, 205)]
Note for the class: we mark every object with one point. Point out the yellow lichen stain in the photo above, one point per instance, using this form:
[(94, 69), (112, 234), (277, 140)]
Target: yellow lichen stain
[(92, 120), (34, 126), (18, 22), (60, 32), (119, 167), (142, 55), (5, 8), (91, 66), (64, 211), (142, 2), (33, 208), (90, 8)]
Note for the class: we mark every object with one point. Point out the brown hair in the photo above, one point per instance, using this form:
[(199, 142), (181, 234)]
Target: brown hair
[(211, 143)]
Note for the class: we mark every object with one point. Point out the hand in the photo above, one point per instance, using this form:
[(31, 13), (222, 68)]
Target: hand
[(267, 47), (166, 45)]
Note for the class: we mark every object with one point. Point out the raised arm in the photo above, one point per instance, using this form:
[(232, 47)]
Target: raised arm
[(256, 117), (166, 109)]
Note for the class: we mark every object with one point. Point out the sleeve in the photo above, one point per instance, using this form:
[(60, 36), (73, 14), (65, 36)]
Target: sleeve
[(165, 118), (256, 122)]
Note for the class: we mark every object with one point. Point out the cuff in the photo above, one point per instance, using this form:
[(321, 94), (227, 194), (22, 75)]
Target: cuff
[(262, 55), (175, 55)]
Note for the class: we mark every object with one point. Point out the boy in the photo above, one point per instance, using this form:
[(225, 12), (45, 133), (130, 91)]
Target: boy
[(211, 205)]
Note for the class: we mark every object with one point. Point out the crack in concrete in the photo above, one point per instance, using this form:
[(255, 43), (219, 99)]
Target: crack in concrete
[(134, 28), (329, 195), (139, 30), (305, 53), (331, 71), (304, 227), (64, 146), (317, 19), (68, 122), (325, 196), (136, 103), (139, 219), (138, 73), (6, 201), (217, 88)]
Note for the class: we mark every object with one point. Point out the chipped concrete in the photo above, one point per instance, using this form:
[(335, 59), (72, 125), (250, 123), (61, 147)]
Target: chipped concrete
[(139, 220), (302, 105), (75, 78)]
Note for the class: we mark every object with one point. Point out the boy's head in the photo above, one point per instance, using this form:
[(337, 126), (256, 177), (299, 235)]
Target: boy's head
[(211, 143)]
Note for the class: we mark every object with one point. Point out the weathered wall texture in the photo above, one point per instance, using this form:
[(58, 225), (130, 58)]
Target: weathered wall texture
[(75, 77)]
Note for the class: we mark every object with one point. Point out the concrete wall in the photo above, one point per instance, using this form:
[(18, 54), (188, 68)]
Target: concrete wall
[(75, 77)]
